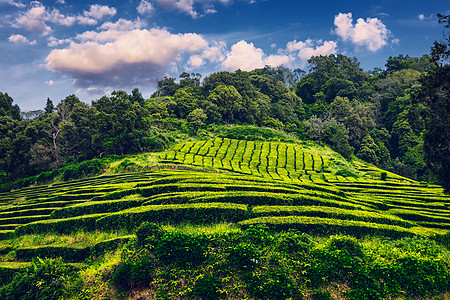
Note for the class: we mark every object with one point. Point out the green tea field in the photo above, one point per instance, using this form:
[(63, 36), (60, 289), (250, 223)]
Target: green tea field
[(235, 184)]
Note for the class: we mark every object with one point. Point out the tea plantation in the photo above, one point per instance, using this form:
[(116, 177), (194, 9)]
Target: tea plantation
[(228, 219)]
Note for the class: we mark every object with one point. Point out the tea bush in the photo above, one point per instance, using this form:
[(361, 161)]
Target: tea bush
[(181, 249), (44, 279), (134, 274)]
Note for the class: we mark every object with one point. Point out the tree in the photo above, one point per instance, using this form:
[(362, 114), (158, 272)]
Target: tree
[(228, 101), (7, 108), (316, 127), (185, 100), (197, 118), (49, 107), (440, 52), (335, 134), (435, 94), (369, 150), (136, 96)]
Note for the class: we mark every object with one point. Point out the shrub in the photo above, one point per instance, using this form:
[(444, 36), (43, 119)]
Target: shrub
[(270, 285), (383, 176), (295, 243), (339, 259), (133, 274), (243, 256), (181, 249), (148, 232), (44, 279), (207, 287), (420, 276)]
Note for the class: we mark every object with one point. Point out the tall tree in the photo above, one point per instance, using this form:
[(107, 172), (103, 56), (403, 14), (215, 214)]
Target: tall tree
[(228, 101), (435, 93)]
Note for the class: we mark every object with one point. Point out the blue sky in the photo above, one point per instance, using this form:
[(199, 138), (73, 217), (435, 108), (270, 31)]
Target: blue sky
[(60, 47)]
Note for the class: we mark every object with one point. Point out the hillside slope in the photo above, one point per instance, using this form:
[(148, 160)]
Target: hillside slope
[(279, 186)]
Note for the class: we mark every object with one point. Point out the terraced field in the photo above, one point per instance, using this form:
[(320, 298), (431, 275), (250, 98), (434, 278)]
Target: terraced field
[(280, 185)]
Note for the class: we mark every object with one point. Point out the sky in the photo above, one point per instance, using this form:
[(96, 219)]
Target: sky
[(52, 49)]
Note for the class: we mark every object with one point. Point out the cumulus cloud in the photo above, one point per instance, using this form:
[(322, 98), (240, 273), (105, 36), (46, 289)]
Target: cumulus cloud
[(189, 6), (278, 60), (127, 59), (305, 50), (50, 82), (213, 53), (123, 25), (370, 33), (20, 39), (145, 8), (98, 12), (34, 19), (95, 13), (38, 17), (246, 57), (186, 6), (53, 41), (13, 3)]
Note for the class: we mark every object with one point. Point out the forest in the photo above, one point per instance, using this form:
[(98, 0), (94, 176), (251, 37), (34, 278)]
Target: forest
[(396, 117)]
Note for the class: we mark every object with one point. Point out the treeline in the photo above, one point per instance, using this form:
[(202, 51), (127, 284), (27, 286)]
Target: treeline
[(381, 116)]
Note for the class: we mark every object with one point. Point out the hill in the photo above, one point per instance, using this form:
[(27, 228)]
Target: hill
[(231, 219)]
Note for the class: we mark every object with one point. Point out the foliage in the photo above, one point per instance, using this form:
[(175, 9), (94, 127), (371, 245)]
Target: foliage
[(44, 279)]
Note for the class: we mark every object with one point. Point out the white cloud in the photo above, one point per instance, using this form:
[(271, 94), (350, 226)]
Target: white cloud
[(53, 41), (123, 25), (98, 12), (56, 17), (278, 60), (246, 57), (50, 82), (305, 50), (125, 58), (194, 62), (186, 6), (61, 1), (37, 17), (370, 33), (34, 19), (145, 8), (215, 52), (189, 6), (422, 17), (83, 20), (20, 39), (13, 3)]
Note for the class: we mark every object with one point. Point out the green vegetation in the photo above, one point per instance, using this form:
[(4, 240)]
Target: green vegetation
[(224, 218), (213, 190)]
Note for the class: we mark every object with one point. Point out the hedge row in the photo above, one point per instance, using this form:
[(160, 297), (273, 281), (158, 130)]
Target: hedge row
[(96, 207), (62, 226), (131, 218), (70, 254), (325, 226), (6, 234), (198, 213), (23, 220), (53, 205), (330, 212), (419, 216), (26, 212), (259, 198)]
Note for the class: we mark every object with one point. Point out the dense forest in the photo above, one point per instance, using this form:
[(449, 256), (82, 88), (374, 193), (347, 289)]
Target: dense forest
[(396, 117)]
